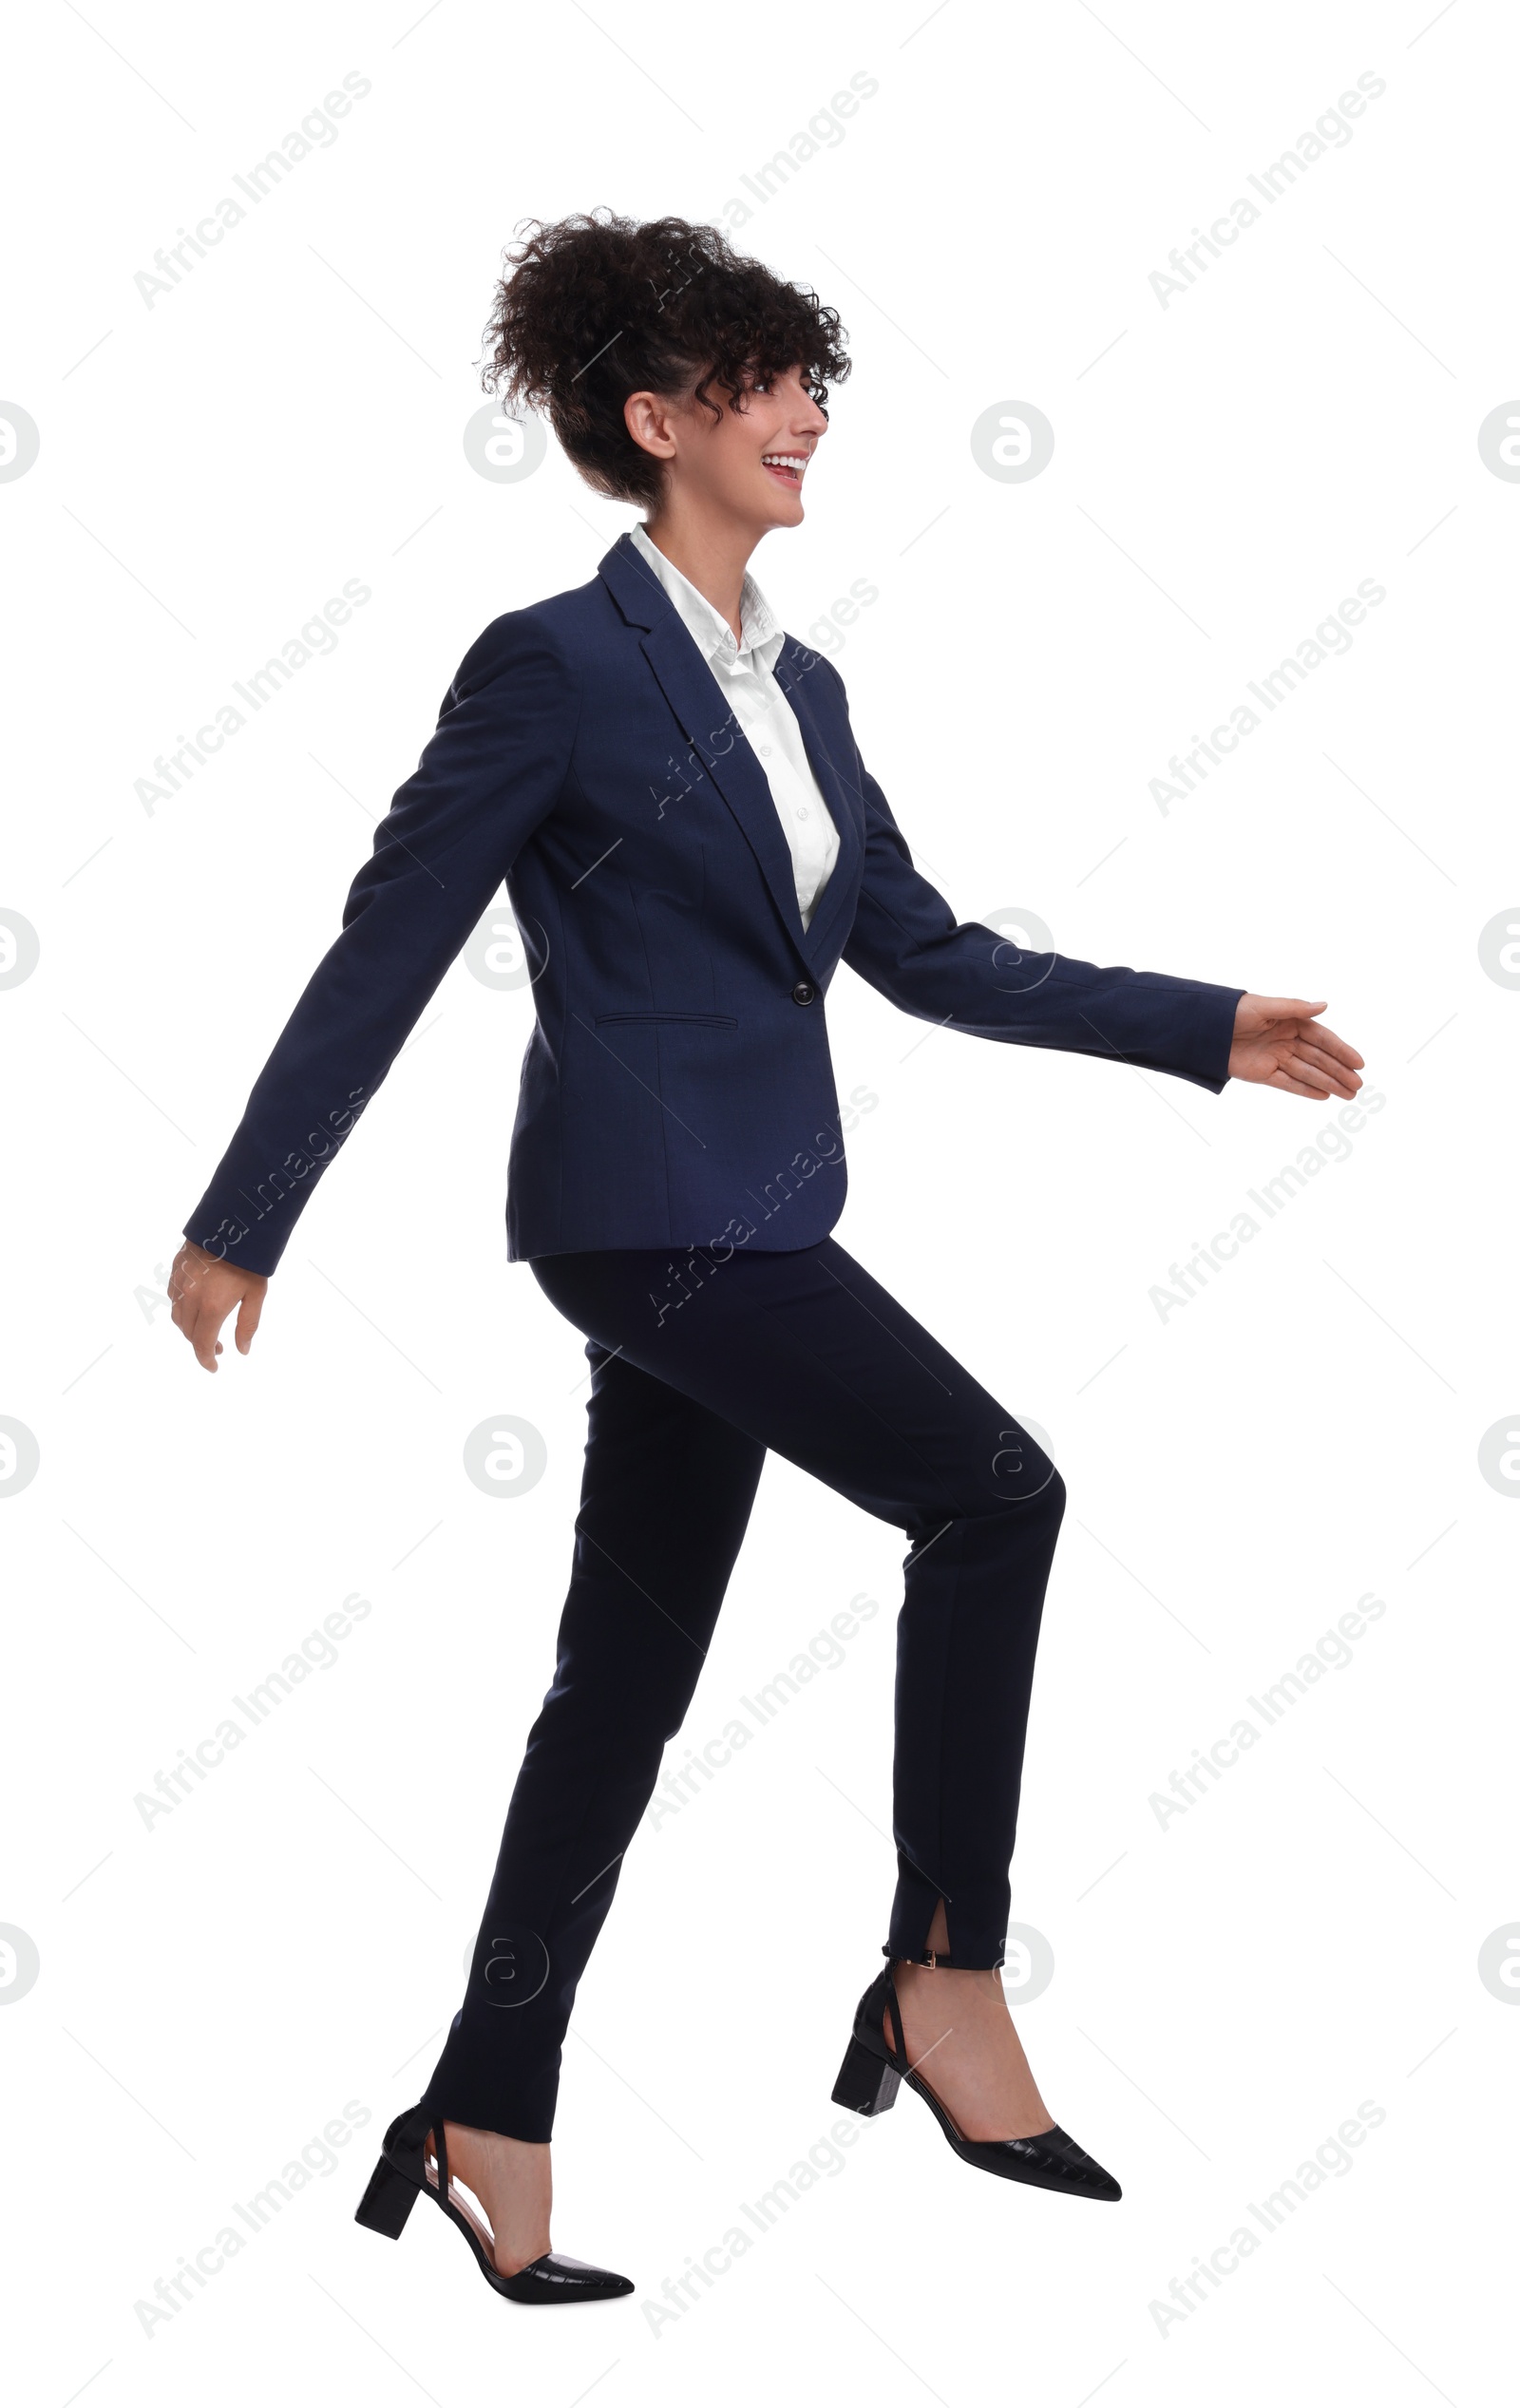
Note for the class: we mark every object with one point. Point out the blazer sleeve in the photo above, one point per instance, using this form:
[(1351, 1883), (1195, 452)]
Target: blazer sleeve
[(907, 942), (491, 771)]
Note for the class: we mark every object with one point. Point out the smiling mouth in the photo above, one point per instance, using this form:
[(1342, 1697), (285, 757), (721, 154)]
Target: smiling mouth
[(785, 466)]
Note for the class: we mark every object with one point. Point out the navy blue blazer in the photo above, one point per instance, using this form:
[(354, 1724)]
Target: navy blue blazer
[(677, 1089)]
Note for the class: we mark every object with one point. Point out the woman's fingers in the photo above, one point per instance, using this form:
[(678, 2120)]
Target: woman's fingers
[(1322, 1079), (1302, 1020), (1337, 1074), (208, 1321), (1328, 1042), (248, 1313), (1308, 1077), (186, 1311), (1316, 1073), (1292, 1086), (193, 1311)]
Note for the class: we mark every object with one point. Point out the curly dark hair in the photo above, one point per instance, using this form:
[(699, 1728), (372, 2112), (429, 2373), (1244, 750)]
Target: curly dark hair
[(595, 307)]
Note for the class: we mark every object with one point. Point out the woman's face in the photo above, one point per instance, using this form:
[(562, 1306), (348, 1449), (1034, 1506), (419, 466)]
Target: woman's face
[(748, 466)]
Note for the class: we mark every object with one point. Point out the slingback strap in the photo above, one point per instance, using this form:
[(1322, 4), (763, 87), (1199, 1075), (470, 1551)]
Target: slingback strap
[(931, 1956)]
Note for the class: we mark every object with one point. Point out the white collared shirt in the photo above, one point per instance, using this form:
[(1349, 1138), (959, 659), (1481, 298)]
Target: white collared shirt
[(745, 676)]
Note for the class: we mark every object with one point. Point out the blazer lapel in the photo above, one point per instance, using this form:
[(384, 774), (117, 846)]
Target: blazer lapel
[(719, 748), (717, 745)]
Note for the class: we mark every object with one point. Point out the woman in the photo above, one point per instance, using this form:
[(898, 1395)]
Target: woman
[(671, 788)]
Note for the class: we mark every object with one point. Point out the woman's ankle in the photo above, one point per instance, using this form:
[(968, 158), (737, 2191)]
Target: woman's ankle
[(512, 2180)]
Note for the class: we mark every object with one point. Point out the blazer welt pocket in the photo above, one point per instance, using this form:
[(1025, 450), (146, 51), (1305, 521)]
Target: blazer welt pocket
[(662, 1019)]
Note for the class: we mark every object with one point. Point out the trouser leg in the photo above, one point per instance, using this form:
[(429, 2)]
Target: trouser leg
[(666, 1494), (810, 1357)]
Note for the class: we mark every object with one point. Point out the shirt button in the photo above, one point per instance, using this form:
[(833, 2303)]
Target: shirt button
[(765, 752), (803, 811), (804, 990)]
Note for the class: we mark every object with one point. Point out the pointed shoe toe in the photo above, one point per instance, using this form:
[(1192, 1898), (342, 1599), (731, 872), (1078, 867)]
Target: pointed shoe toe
[(1051, 2159), (556, 2281)]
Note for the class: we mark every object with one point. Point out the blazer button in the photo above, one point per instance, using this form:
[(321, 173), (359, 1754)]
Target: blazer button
[(804, 990)]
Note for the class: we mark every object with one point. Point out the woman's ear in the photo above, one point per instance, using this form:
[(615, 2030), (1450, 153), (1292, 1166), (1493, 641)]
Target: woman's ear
[(647, 419)]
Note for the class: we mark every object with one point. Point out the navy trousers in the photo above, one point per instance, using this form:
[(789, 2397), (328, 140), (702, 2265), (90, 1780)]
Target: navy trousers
[(698, 1366)]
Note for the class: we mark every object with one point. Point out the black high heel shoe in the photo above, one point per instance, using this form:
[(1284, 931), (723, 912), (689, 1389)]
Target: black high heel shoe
[(402, 2177), (873, 2070)]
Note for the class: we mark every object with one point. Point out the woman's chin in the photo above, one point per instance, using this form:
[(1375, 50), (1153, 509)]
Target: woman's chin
[(786, 508)]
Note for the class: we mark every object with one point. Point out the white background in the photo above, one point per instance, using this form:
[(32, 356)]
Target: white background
[(1230, 1987)]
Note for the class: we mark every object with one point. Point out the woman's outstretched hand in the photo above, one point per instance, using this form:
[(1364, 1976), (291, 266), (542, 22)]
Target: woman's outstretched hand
[(203, 1291), (1278, 1042)]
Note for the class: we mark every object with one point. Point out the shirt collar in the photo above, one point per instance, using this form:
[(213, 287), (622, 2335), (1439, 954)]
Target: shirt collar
[(761, 638)]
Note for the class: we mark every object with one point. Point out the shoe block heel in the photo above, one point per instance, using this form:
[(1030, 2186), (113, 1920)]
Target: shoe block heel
[(386, 2203), (866, 2084)]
